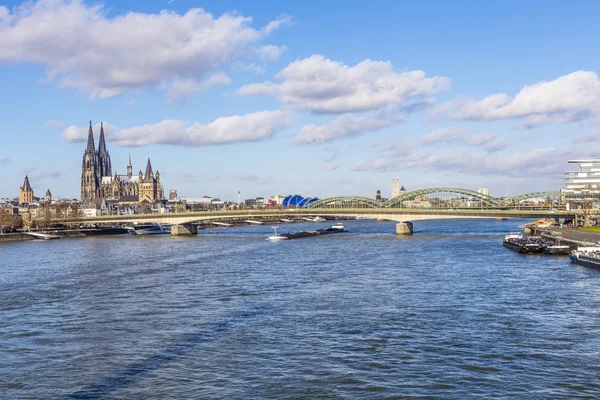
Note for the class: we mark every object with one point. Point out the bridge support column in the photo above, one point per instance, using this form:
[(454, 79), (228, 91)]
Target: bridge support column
[(404, 228), (184, 230)]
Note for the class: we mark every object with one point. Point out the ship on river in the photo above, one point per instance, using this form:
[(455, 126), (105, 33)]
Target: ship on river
[(534, 245), (586, 256), (517, 242)]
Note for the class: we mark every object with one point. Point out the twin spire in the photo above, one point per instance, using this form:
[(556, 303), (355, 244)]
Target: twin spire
[(90, 144)]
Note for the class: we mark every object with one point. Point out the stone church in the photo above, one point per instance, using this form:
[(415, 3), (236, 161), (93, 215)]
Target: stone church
[(98, 182)]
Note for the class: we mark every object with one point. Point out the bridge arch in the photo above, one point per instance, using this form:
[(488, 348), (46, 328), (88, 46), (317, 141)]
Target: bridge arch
[(442, 198), (552, 198), (345, 202)]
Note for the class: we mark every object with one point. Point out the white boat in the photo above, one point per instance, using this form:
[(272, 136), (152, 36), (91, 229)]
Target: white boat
[(149, 229), (338, 225), (275, 236), (319, 219), (43, 235)]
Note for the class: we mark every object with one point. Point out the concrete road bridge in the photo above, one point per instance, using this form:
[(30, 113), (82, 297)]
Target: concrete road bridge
[(424, 204)]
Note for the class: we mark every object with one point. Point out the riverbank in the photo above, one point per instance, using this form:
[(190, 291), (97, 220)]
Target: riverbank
[(570, 236)]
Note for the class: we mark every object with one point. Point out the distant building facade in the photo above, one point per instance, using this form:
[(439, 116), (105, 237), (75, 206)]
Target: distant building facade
[(98, 182), (395, 188), (582, 187), (173, 194), (26, 192), (484, 191)]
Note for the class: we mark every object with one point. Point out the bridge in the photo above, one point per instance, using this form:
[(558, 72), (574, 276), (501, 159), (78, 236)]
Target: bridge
[(423, 204)]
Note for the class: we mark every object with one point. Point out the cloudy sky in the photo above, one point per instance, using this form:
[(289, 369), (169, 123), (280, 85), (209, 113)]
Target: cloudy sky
[(316, 98)]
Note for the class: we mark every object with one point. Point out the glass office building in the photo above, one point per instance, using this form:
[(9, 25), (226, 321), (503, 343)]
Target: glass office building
[(582, 187)]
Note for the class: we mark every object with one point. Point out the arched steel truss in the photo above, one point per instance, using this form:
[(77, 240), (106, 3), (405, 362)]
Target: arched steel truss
[(533, 195), (482, 199), (346, 202), (432, 198)]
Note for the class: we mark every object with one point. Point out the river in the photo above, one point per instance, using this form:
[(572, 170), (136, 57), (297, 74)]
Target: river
[(447, 312)]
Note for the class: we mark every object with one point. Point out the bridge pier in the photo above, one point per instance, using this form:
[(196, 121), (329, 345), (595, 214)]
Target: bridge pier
[(184, 230), (404, 228)]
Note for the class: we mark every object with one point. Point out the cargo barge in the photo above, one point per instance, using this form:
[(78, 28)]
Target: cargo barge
[(318, 232), (533, 245), (516, 242)]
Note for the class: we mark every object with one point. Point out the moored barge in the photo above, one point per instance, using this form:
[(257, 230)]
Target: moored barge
[(516, 242), (588, 257)]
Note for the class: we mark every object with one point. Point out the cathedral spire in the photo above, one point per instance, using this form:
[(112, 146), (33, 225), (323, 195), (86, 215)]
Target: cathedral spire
[(129, 167), (90, 143), (102, 145), (26, 185), (149, 173)]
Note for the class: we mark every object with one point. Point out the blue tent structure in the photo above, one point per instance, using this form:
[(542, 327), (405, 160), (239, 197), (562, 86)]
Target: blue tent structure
[(297, 201)]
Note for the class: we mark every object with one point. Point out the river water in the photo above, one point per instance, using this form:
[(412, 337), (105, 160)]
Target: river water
[(448, 312)]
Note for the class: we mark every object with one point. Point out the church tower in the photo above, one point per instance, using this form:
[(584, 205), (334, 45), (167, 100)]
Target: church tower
[(148, 185), (129, 167), (104, 167), (90, 181), (26, 192)]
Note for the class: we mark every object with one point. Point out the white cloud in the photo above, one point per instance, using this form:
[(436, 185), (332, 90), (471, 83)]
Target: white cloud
[(538, 163), (74, 133), (106, 56), (325, 86), (569, 98), (129, 103), (54, 124), (281, 20), (589, 137), (238, 128), (345, 126), (184, 88), (270, 52), (458, 136), (331, 167), (4, 159)]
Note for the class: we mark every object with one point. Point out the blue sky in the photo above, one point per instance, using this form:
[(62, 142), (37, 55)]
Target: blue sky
[(316, 98)]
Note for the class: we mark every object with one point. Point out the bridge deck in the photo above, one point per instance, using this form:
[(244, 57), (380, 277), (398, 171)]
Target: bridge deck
[(382, 213)]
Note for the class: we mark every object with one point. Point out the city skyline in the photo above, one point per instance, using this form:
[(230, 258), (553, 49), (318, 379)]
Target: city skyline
[(275, 99)]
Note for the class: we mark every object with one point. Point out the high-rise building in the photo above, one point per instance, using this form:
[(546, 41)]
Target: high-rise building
[(173, 194), (395, 188), (378, 195), (484, 191), (25, 192), (582, 188)]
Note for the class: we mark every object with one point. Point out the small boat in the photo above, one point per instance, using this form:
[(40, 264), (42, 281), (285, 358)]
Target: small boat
[(319, 219), (44, 235), (149, 229), (276, 237), (557, 249), (338, 225)]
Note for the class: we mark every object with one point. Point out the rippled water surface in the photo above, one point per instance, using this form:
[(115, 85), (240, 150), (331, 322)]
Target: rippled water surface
[(447, 312)]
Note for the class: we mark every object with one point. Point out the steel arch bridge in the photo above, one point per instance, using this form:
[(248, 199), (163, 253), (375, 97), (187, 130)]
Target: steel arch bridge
[(553, 197), (438, 198), (441, 198), (346, 202)]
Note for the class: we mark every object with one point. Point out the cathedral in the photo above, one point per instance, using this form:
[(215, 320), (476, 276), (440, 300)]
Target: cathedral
[(98, 182)]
